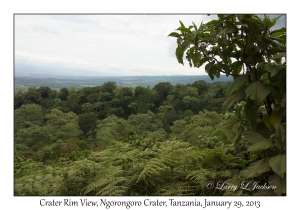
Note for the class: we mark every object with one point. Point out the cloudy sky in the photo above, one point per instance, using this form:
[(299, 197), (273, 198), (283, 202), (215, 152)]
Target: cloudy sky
[(101, 45)]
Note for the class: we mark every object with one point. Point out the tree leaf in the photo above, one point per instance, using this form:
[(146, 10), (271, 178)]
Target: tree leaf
[(174, 34), (283, 29), (237, 84), (236, 64), (274, 69), (196, 57), (269, 23), (262, 145), (209, 65), (276, 94), (255, 169), (223, 66), (278, 164), (183, 47), (215, 71), (233, 191), (253, 137), (203, 60), (279, 55), (182, 25), (195, 26), (257, 92), (277, 34), (273, 21), (279, 183), (251, 112), (275, 118), (183, 29), (238, 135), (266, 120), (232, 99), (212, 22), (280, 132)]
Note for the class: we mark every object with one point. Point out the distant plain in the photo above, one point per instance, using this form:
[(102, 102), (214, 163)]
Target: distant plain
[(57, 82)]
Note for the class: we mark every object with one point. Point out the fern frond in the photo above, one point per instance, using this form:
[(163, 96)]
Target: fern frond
[(154, 167), (176, 189), (224, 174), (108, 183), (113, 189), (199, 177)]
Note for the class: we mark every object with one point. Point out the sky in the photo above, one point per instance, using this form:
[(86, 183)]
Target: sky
[(101, 45)]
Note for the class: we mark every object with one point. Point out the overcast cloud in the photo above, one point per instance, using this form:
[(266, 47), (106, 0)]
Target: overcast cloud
[(102, 45)]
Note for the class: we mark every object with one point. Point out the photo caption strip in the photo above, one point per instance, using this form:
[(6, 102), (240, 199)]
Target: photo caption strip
[(105, 203)]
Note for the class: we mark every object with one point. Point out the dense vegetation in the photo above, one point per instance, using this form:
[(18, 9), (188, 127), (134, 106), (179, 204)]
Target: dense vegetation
[(169, 139)]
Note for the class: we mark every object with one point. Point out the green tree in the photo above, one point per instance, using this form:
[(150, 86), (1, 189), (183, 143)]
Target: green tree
[(163, 89), (108, 87), (53, 94), (87, 122), (89, 90), (110, 129), (140, 123), (249, 49), (87, 107), (72, 89), (143, 100), (70, 130), (18, 99), (31, 96), (63, 94), (45, 91), (125, 97), (62, 125), (82, 98), (93, 98), (32, 135), (201, 86), (28, 114), (167, 115)]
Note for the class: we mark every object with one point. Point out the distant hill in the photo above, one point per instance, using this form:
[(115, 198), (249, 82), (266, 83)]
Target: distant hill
[(56, 82)]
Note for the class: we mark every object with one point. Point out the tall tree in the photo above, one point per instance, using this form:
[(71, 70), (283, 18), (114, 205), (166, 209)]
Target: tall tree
[(28, 114), (163, 89), (201, 86), (108, 87), (62, 125), (45, 91), (63, 94), (249, 49), (87, 122), (246, 47), (32, 96)]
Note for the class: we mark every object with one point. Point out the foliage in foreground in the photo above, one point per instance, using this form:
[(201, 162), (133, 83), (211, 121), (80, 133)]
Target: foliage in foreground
[(246, 47)]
